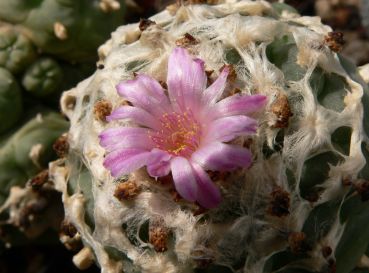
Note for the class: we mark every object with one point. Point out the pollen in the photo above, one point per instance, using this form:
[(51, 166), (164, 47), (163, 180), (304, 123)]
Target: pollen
[(179, 133)]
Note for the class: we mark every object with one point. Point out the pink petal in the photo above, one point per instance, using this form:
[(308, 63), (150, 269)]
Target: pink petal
[(120, 137), (146, 93), (208, 194), (227, 128), (219, 156), (125, 161), (213, 93), (159, 164), (184, 178), (137, 115), (239, 105), (186, 79)]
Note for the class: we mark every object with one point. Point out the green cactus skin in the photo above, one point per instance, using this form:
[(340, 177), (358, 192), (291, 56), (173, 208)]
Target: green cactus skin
[(84, 25), (317, 164), (28, 150), (16, 50), (10, 100), (43, 77)]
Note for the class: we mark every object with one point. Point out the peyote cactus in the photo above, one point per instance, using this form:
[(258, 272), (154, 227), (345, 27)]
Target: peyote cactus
[(301, 206)]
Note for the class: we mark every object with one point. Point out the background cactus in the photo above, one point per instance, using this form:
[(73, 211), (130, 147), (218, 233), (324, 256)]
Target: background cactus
[(301, 207), (46, 47)]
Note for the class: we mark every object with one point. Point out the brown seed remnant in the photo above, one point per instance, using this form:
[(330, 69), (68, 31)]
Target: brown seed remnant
[(145, 23), (158, 235), (163, 84), (102, 109), (186, 41), (39, 180), (362, 188), (68, 229), (326, 251), (127, 190), (281, 109), (232, 76), (334, 40), (297, 242), (61, 146), (280, 202)]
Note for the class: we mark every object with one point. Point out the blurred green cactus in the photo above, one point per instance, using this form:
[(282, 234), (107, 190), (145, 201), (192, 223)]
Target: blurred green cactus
[(46, 47), (42, 77), (10, 100), (68, 29), (27, 151)]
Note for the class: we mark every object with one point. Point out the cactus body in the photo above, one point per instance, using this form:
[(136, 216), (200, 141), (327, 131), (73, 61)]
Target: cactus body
[(301, 207)]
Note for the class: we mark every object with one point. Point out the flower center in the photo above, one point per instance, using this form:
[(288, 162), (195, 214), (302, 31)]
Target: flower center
[(179, 134)]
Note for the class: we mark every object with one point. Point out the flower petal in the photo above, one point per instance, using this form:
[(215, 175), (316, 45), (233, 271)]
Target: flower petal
[(208, 194), (146, 93), (186, 79), (138, 115), (239, 105), (159, 164), (184, 178), (120, 137), (227, 128), (125, 161), (212, 94), (218, 156)]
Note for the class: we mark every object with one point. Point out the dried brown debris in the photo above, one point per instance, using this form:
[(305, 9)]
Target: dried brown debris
[(186, 41), (282, 110), (158, 235), (68, 229), (280, 203), (61, 146), (102, 109), (145, 24), (334, 40), (39, 180), (127, 190)]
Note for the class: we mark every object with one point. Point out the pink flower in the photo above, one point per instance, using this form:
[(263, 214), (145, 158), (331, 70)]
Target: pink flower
[(184, 133)]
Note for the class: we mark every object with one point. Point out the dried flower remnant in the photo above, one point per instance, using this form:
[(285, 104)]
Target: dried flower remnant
[(335, 41), (184, 133)]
